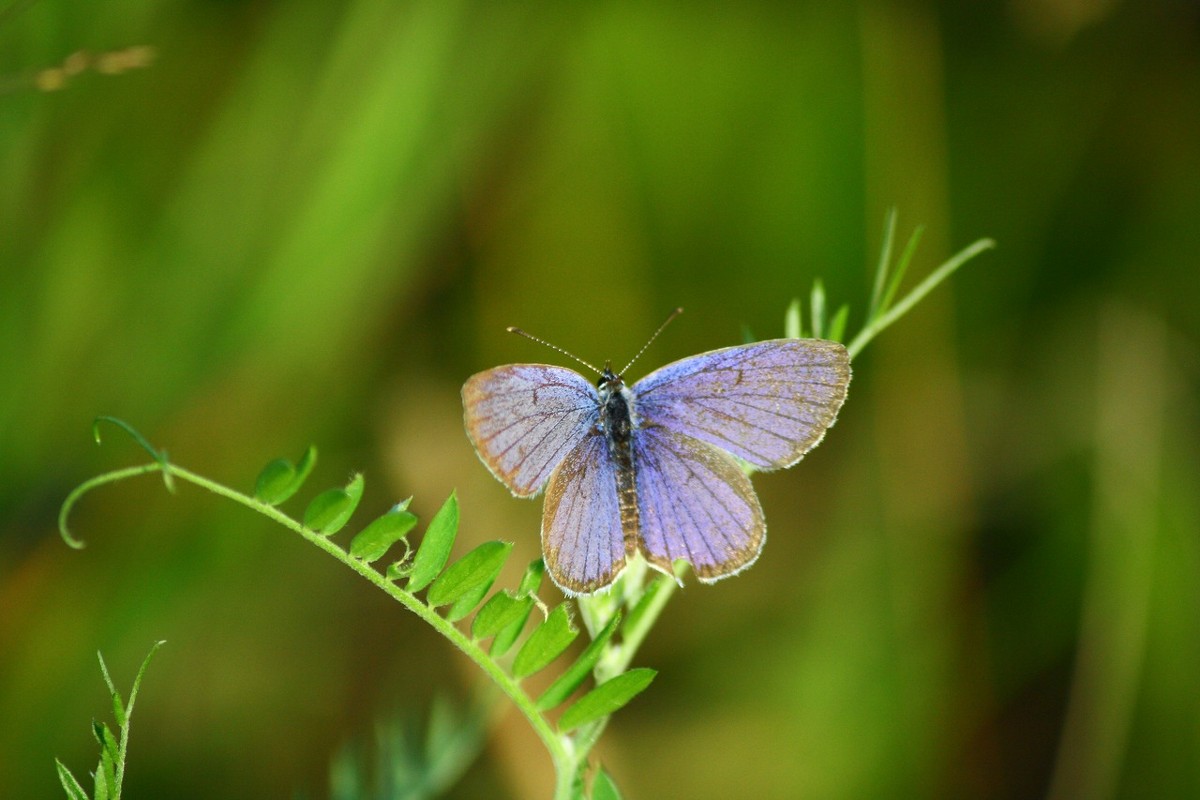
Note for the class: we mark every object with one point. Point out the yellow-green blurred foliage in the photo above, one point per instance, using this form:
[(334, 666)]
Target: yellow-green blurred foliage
[(245, 227)]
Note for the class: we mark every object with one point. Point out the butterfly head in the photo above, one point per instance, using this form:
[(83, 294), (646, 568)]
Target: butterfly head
[(616, 405), (610, 382)]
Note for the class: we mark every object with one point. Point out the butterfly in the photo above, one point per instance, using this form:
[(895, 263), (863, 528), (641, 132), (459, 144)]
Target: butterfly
[(653, 468)]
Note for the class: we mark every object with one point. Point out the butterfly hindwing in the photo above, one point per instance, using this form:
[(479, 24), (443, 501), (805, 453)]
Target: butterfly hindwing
[(695, 503), (525, 418), (768, 402), (582, 540)]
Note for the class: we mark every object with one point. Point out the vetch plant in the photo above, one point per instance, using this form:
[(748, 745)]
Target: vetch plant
[(511, 633)]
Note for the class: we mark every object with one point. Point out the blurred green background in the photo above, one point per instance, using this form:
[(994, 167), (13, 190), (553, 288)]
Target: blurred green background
[(310, 222)]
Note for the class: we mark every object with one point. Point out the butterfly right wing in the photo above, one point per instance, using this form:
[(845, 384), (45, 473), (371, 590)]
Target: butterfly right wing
[(523, 419), (695, 503)]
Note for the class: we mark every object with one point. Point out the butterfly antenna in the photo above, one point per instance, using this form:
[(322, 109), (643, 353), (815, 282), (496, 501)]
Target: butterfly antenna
[(666, 322), (570, 355)]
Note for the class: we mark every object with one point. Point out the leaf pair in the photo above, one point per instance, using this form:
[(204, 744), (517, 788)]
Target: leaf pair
[(331, 510), (328, 512), (606, 698), (504, 615), (463, 585)]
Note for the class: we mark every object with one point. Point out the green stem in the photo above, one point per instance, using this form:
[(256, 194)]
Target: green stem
[(564, 778), (85, 487), (555, 745), (133, 693), (631, 639), (613, 663)]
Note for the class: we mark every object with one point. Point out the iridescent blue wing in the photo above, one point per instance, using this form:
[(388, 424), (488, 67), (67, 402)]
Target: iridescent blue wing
[(581, 522), (695, 503), (524, 418), (768, 402)]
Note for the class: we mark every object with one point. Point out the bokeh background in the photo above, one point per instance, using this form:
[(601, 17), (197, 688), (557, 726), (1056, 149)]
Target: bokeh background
[(310, 222)]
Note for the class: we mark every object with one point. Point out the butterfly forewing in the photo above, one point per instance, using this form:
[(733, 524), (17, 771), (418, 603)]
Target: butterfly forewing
[(768, 403), (695, 503), (525, 418), (581, 522)]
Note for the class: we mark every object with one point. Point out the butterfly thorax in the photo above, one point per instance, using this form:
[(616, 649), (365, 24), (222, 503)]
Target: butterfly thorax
[(617, 422)]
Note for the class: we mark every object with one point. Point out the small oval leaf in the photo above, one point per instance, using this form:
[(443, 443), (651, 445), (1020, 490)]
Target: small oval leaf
[(325, 509), (508, 636), (606, 698), (546, 643), (274, 483), (331, 510), (305, 467), (502, 610), (435, 547), (280, 479), (476, 568), (577, 673), (603, 787), (372, 542), (531, 581), (466, 603), (355, 486)]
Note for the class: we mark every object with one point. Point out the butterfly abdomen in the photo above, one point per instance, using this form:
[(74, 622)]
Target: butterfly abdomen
[(616, 418)]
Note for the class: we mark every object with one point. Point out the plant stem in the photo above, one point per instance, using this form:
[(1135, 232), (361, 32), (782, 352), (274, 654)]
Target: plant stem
[(879, 323), (614, 662), (133, 693), (631, 639), (556, 745), (85, 487)]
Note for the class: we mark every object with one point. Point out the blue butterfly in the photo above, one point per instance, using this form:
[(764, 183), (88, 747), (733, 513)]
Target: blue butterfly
[(650, 468)]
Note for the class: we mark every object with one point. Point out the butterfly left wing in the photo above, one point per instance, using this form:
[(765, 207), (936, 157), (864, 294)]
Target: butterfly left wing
[(695, 503), (524, 418), (582, 540), (768, 402)]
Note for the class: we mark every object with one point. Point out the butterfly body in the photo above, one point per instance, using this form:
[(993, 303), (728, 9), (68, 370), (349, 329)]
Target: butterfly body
[(617, 424), (650, 468)]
